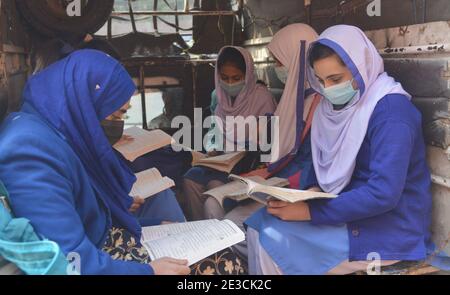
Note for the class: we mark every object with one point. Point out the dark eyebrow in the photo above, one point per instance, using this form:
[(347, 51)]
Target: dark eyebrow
[(334, 76), (318, 77)]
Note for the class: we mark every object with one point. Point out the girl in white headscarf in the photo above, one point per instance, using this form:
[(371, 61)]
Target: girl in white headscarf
[(368, 149)]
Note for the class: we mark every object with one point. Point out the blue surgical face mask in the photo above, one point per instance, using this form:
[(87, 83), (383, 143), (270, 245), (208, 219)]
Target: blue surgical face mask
[(282, 73), (232, 89), (339, 94)]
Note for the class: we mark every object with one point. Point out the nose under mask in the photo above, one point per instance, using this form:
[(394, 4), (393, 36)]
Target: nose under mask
[(113, 130)]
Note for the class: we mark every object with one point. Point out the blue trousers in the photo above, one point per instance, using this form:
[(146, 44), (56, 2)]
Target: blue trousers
[(160, 207)]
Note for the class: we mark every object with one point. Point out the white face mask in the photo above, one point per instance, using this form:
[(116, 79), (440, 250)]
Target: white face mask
[(282, 73)]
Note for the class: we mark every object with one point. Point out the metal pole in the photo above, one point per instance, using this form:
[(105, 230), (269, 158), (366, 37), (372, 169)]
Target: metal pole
[(177, 21), (233, 27), (133, 22), (143, 101), (109, 28), (155, 18)]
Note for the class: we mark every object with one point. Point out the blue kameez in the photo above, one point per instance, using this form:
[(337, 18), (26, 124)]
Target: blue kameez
[(317, 249), (399, 233), (160, 207)]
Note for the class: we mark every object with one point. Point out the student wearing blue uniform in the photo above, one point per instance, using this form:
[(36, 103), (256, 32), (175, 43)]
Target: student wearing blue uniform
[(168, 162), (367, 148), (63, 175)]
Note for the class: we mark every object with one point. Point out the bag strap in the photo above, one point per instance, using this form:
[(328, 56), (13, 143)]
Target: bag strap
[(306, 129), (310, 116)]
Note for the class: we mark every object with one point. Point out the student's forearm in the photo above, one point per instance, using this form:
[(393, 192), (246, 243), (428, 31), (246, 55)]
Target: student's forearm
[(351, 206)]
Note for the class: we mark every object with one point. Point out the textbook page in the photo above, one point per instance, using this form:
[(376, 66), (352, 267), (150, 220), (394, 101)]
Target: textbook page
[(150, 233), (288, 194), (237, 190), (143, 142), (195, 245), (261, 192), (149, 183)]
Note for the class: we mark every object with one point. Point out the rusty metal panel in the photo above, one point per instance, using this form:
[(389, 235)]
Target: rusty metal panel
[(425, 77), (436, 119), (439, 163), (419, 58), (264, 18), (414, 35), (14, 49), (420, 61)]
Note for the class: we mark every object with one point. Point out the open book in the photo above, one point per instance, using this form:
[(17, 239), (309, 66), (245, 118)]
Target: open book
[(237, 190), (224, 163), (143, 142), (193, 241), (149, 183), (262, 193)]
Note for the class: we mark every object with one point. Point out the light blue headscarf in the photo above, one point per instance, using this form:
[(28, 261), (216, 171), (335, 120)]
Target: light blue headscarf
[(20, 245)]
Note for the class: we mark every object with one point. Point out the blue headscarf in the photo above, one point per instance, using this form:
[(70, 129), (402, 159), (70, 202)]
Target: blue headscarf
[(74, 95)]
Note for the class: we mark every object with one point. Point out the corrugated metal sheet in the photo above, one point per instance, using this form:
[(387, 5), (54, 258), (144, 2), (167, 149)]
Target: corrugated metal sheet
[(263, 18)]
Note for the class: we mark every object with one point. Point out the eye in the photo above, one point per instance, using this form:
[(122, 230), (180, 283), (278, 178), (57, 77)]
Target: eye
[(336, 80)]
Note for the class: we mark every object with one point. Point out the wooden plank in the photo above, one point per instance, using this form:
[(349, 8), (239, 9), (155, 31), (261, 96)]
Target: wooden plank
[(8, 48)]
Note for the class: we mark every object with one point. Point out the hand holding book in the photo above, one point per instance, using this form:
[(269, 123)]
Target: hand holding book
[(298, 211), (262, 193)]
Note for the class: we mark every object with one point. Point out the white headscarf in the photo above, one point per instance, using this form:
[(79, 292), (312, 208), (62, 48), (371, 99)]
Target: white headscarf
[(286, 47), (337, 135)]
